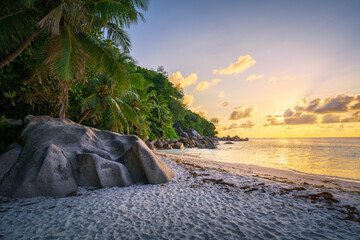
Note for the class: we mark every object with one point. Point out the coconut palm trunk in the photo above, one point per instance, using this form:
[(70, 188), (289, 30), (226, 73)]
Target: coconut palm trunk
[(83, 117), (9, 58)]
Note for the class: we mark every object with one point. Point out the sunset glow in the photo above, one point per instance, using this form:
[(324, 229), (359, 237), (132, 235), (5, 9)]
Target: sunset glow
[(264, 69)]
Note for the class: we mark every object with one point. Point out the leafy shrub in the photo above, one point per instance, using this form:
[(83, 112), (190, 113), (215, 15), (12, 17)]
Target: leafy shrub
[(152, 136), (170, 133)]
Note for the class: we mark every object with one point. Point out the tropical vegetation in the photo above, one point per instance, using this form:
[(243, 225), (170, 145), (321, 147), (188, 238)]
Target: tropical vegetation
[(70, 58)]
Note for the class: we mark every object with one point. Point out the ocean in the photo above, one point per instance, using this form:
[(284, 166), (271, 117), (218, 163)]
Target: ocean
[(330, 157)]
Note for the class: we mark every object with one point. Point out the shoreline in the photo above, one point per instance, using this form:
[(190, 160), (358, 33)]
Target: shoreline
[(205, 200), (272, 174)]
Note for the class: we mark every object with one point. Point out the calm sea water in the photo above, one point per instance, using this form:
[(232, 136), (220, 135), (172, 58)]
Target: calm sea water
[(333, 157)]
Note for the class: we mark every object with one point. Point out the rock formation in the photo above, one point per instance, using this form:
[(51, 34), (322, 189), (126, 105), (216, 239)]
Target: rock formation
[(182, 142), (55, 157), (235, 138)]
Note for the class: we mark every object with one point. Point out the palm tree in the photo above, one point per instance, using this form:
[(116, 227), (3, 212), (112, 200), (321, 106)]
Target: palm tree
[(74, 30), (106, 105)]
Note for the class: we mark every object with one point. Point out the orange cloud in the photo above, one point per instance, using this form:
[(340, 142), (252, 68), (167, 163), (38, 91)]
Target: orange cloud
[(293, 120), (248, 124), (224, 104), (254, 77), (243, 63), (194, 109), (338, 109), (202, 113), (331, 118), (221, 94), (355, 117), (205, 85), (188, 100), (178, 79), (341, 103), (242, 112)]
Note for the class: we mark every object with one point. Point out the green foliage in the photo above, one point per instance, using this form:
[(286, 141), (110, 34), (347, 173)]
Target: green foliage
[(74, 37), (78, 65), (170, 133), (195, 121), (152, 137)]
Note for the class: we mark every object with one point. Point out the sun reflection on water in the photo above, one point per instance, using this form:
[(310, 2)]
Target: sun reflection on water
[(327, 156)]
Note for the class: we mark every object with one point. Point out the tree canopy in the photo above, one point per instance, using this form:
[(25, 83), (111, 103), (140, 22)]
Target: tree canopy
[(71, 58)]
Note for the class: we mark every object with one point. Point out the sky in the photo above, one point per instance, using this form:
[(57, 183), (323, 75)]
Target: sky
[(280, 68)]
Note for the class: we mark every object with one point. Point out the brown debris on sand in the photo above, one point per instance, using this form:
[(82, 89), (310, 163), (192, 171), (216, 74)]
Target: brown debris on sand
[(320, 197)]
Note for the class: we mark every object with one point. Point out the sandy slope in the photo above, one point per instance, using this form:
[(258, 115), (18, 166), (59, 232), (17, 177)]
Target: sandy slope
[(202, 202)]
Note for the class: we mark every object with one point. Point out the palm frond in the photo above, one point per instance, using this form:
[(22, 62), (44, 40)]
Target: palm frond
[(115, 116), (131, 96), (51, 21), (127, 110), (137, 80), (29, 3), (119, 36), (14, 28), (90, 102), (101, 58), (67, 60), (122, 13)]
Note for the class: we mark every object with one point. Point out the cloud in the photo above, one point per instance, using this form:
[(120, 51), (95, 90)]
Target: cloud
[(274, 121), (333, 110), (232, 126), (313, 105), (194, 109), (243, 63), (224, 104), (205, 85), (254, 77), (221, 94), (356, 106), (199, 110), (242, 112), (331, 118), (248, 124), (291, 120), (355, 117), (288, 113), (332, 105), (302, 119), (275, 79), (341, 103), (178, 79), (188, 100), (202, 113), (215, 120)]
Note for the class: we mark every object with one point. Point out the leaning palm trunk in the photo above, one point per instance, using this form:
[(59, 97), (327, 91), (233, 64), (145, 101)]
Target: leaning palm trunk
[(84, 116), (9, 58), (63, 102)]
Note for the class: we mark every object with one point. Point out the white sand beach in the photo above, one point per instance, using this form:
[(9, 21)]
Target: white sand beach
[(206, 200)]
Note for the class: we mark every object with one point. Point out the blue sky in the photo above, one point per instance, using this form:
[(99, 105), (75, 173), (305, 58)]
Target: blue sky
[(309, 48)]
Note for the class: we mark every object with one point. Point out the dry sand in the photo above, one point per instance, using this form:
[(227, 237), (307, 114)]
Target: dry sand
[(271, 173), (205, 200)]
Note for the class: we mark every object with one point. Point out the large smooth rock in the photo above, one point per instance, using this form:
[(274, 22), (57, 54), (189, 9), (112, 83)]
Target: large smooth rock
[(178, 145), (58, 156), (193, 134), (158, 144), (8, 159), (150, 145)]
